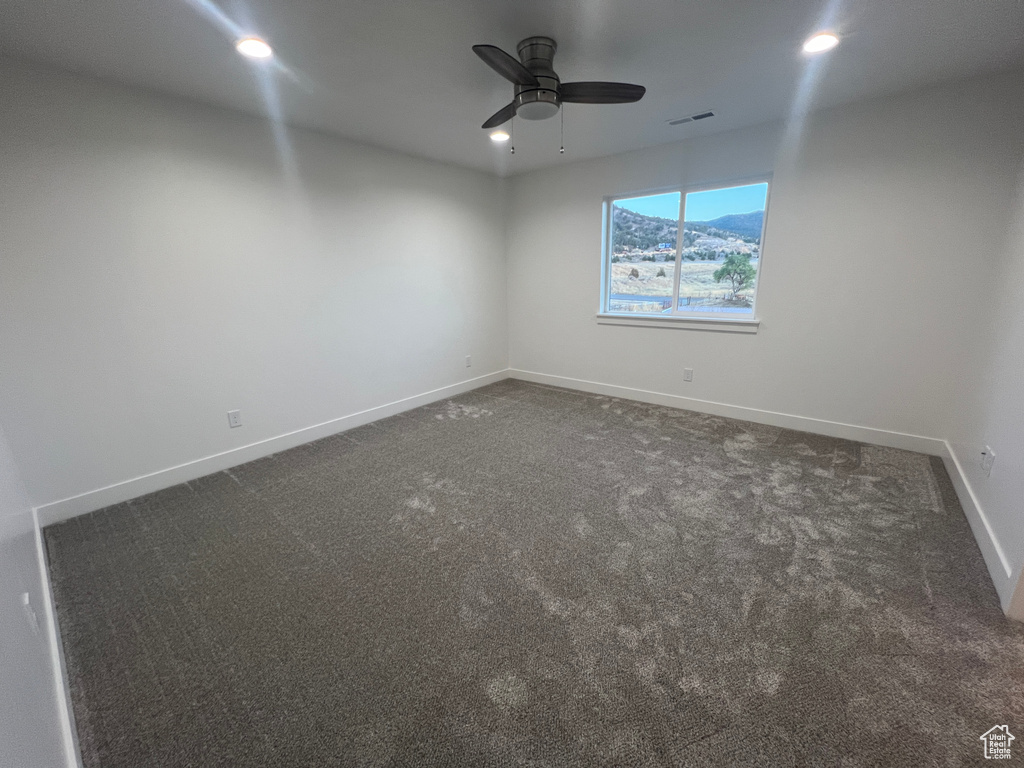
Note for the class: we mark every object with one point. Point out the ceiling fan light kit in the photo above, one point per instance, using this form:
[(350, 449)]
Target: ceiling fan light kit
[(539, 92), (541, 101)]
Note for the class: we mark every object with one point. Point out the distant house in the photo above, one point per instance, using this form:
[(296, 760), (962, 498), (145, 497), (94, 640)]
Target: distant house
[(665, 246)]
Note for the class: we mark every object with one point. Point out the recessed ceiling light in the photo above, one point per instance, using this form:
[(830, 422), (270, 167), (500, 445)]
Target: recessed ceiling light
[(254, 48), (499, 136), (821, 42)]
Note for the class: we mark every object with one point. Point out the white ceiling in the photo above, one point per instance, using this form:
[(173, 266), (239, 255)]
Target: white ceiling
[(400, 73)]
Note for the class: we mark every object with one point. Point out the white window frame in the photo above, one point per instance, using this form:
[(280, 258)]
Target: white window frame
[(674, 317)]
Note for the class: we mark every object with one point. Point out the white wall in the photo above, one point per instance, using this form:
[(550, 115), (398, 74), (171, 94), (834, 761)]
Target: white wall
[(992, 414), (161, 267), (31, 735), (881, 258)]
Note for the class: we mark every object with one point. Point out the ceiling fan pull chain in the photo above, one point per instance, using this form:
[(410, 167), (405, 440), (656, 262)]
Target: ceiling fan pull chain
[(561, 133), (512, 135)]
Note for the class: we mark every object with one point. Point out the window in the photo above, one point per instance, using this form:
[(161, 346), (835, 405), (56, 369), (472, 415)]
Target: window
[(707, 268)]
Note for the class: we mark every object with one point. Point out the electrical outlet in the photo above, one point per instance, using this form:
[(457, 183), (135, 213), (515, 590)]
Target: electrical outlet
[(234, 419), (687, 374), (988, 458), (30, 614), (469, 361)]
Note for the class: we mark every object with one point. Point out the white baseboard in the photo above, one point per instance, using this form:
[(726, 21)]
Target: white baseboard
[(995, 557), (1016, 607), (72, 755), (64, 509), (930, 445)]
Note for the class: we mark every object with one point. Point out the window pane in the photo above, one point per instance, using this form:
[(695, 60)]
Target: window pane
[(643, 254), (721, 249)]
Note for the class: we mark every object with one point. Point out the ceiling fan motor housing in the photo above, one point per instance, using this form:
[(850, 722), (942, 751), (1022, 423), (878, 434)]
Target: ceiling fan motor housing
[(533, 102)]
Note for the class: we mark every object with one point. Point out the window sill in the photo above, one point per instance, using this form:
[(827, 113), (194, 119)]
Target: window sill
[(716, 324)]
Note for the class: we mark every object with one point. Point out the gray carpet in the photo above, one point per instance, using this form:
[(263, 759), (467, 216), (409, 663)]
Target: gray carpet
[(528, 576)]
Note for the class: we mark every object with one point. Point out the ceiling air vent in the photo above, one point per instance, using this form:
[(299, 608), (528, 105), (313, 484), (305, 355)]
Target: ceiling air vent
[(691, 118)]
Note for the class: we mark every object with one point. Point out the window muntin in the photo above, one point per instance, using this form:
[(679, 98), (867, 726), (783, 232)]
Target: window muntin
[(710, 268)]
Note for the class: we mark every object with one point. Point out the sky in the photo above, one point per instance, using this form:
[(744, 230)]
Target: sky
[(701, 206)]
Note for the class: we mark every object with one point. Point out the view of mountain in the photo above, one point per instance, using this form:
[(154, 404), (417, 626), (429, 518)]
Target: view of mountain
[(635, 230), (743, 224)]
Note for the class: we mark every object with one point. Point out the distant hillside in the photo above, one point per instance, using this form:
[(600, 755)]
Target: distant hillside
[(635, 230), (638, 231), (744, 224)]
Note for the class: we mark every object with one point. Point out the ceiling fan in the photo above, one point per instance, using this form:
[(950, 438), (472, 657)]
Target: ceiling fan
[(538, 91)]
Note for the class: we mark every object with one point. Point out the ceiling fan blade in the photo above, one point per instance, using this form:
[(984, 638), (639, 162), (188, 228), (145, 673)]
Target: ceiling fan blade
[(503, 115), (505, 65), (601, 93)]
